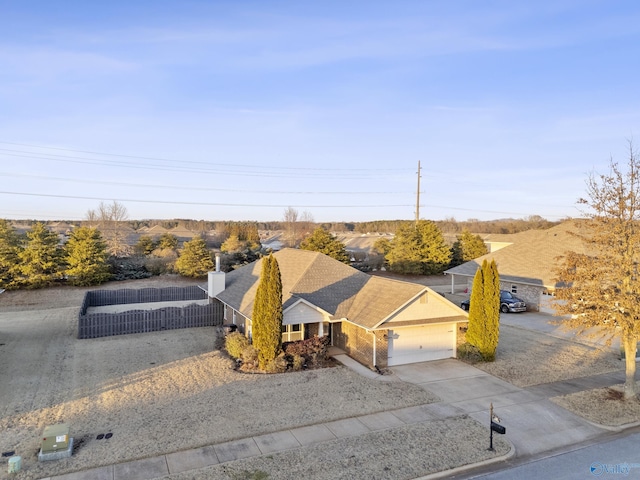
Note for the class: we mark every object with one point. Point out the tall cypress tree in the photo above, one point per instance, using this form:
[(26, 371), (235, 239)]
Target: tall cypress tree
[(476, 309), (267, 313), (484, 311), (492, 310)]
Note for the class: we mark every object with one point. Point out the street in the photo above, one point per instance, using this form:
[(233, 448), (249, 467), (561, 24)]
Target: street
[(617, 457)]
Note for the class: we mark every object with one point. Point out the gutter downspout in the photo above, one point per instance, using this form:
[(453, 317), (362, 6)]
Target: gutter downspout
[(372, 332)]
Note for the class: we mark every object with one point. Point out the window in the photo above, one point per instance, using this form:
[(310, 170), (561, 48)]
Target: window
[(291, 333), (514, 289)]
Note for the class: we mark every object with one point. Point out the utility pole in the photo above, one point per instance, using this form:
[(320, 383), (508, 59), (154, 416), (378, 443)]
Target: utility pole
[(418, 196)]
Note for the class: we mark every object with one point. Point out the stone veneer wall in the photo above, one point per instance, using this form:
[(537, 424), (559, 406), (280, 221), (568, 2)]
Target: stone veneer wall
[(529, 293)]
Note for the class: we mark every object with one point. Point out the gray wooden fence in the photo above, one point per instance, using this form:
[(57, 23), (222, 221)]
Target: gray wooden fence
[(140, 321)]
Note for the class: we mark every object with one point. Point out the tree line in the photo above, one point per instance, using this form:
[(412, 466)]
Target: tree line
[(38, 258)]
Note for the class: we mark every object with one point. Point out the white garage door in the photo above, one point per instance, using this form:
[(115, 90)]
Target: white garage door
[(420, 344)]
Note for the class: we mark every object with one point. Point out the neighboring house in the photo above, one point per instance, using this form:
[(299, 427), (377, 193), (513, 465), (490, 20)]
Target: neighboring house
[(377, 321), (156, 231), (184, 234), (527, 266)]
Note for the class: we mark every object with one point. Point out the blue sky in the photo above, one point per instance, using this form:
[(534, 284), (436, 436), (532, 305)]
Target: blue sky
[(237, 110)]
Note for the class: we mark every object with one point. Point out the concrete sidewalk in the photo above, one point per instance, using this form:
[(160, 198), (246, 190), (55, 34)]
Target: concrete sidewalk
[(150, 468), (534, 424)]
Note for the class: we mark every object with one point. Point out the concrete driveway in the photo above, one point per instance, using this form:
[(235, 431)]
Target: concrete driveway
[(534, 424), (548, 324)]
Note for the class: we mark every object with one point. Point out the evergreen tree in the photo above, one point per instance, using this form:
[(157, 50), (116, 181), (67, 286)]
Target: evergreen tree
[(86, 258), (267, 313), (9, 250), (195, 259), (419, 248), (484, 311), (382, 246), (324, 242), (168, 241), (475, 330), (145, 245), (232, 245), (467, 247), (41, 258), (492, 310)]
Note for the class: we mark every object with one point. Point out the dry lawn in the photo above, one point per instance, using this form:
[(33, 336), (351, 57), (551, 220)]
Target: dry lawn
[(604, 406), (526, 358)]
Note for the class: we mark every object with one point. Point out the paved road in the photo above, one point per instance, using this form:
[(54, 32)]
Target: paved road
[(618, 457)]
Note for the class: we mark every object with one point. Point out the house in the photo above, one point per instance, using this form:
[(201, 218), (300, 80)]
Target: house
[(527, 265), (377, 321)]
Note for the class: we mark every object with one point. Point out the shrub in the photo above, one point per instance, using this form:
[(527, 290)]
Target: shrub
[(250, 357), (235, 344), (277, 365), (313, 350), (297, 363), (469, 353), (130, 268), (159, 265)]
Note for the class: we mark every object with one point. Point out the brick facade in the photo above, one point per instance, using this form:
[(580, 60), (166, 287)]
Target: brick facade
[(358, 343)]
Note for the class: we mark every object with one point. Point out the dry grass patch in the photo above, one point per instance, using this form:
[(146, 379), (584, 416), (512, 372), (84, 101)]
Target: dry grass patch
[(396, 454), (526, 358), (604, 406)]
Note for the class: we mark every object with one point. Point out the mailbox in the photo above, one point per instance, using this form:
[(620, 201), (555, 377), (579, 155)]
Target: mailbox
[(496, 427), (55, 438)]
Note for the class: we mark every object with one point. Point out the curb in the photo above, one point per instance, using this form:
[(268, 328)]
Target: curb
[(464, 468)]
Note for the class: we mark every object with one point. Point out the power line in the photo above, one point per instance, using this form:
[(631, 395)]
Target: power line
[(215, 204), (269, 173), (311, 169), (209, 204), (190, 188)]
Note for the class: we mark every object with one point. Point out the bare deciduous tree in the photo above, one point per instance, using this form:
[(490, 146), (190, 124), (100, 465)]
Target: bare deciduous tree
[(291, 233), (111, 223), (602, 283)]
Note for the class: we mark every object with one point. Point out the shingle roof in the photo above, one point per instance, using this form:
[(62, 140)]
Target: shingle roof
[(532, 258), (336, 288)]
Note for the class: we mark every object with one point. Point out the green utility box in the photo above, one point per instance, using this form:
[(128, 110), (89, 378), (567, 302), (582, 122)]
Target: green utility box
[(55, 438)]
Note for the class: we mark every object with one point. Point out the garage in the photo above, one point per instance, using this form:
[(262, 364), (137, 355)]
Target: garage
[(421, 344)]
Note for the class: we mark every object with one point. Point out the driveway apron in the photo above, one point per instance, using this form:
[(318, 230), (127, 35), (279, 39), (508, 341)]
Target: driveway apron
[(534, 424)]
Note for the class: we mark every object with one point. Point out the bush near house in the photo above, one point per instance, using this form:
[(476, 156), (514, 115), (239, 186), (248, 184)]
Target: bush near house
[(312, 350), (310, 353), (235, 343)]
